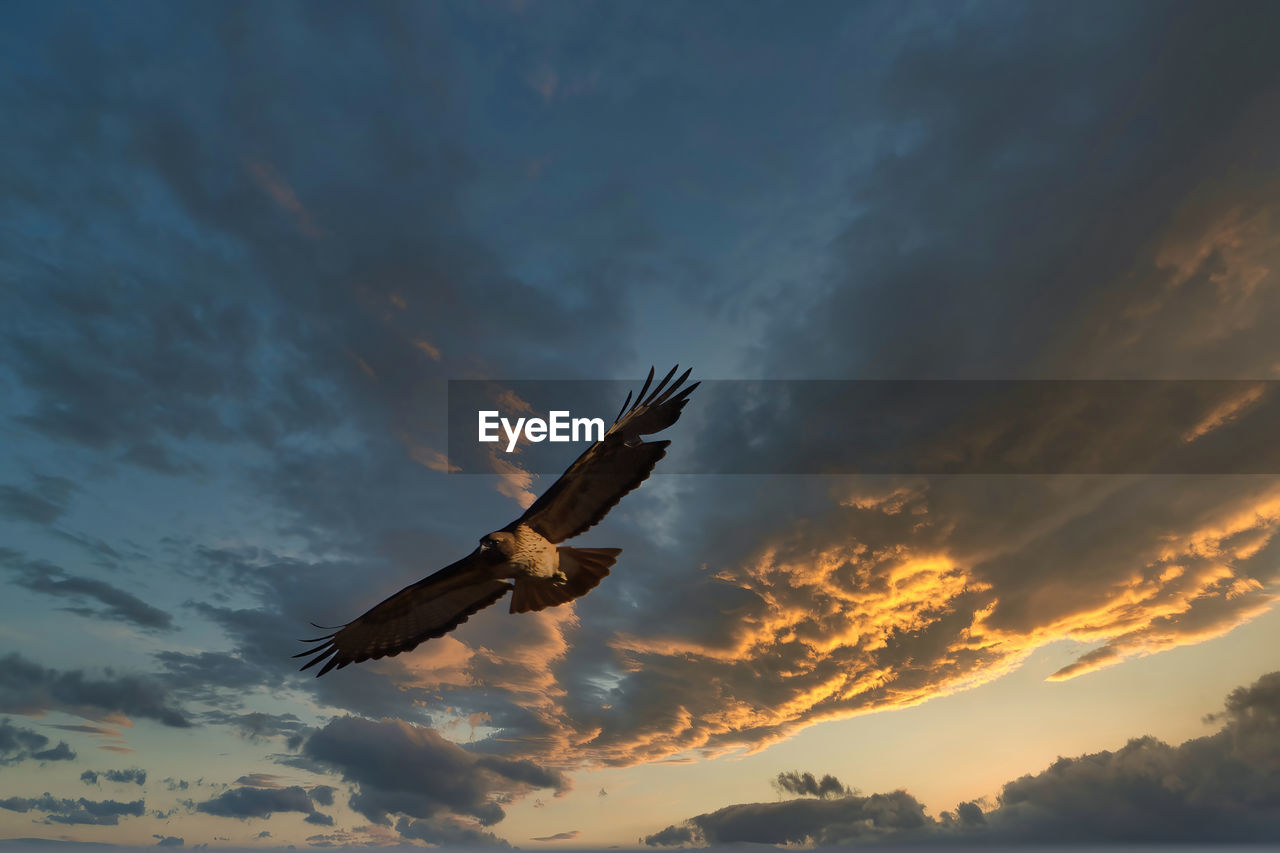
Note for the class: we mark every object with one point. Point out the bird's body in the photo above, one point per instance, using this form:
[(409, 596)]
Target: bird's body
[(532, 555), (524, 557)]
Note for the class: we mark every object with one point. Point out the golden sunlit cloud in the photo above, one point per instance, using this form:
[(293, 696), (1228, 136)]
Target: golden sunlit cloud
[(510, 403), (1225, 412), (893, 601), (513, 481)]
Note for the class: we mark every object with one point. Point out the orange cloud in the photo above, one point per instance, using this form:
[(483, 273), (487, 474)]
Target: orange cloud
[(283, 195), (513, 481), (426, 347), (1225, 411), (899, 597), (433, 459)]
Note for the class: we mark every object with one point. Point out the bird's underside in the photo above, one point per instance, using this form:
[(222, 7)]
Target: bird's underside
[(525, 556)]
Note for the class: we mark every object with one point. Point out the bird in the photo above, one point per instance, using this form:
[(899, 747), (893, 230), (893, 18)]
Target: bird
[(525, 557)]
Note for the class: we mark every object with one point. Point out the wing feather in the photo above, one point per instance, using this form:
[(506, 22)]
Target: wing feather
[(612, 467), (430, 608)]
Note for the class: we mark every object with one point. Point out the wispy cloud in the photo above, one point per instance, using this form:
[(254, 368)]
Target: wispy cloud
[(283, 194)]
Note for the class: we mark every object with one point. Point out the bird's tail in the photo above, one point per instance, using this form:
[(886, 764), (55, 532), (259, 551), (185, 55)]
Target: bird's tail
[(583, 568)]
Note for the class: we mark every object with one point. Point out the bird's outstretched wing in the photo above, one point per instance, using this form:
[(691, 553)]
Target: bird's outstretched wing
[(430, 608), (610, 468)]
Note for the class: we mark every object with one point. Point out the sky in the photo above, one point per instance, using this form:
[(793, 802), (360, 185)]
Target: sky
[(245, 247)]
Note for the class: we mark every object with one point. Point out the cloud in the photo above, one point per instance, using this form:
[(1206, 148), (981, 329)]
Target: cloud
[(259, 780), (1215, 789), (446, 830), (559, 836), (673, 836), (100, 731), (203, 673), (823, 822), (169, 840), (322, 794), (133, 776), (283, 195), (864, 605), (247, 802), (258, 726), (114, 603), (61, 752), (399, 768), (806, 785), (29, 688), (1089, 225), (20, 744), (227, 328), (42, 504), (76, 812)]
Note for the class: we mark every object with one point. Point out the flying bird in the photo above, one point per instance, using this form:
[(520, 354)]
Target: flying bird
[(525, 556)]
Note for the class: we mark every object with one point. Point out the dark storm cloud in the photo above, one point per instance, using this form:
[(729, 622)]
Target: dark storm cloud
[(247, 802), (27, 687), (43, 503), (269, 330), (111, 601), (18, 743), (412, 771), (1216, 789), (1017, 178), (76, 812)]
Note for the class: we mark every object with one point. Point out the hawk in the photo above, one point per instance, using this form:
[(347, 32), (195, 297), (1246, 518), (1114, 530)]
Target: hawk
[(525, 556)]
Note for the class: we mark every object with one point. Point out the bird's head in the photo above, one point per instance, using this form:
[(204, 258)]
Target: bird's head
[(498, 542)]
